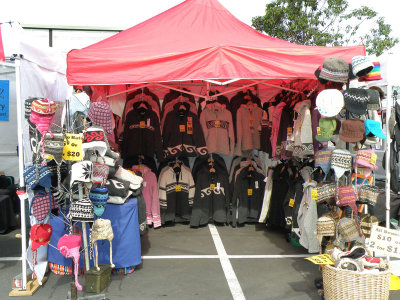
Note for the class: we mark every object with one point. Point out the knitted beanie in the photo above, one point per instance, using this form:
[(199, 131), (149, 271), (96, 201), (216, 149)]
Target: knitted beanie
[(373, 100), (42, 203), (323, 159), (44, 106), (93, 139), (37, 175), (99, 197), (326, 226), (329, 102), (100, 114), (366, 159), (369, 194), (356, 100), (375, 73), (81, 171), (100, 173), (341, 162), (28, 107), (327, 127), (81, 210), (335, 69), (362, 65), (374, 128), (366, 223), (53, 145), (347, 197), (134, 180), (347, 229), (42, 121), (326, 193), (69, 246), (352, 131)]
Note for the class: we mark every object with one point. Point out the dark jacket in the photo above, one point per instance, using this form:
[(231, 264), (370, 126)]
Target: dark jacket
[(141, 133), (280, 187), (182, 133)]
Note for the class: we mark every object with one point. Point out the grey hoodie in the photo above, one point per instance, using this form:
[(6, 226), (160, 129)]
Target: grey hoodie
[(248, 127)]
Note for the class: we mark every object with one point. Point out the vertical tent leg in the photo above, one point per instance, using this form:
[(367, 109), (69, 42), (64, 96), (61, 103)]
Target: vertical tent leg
[(387, 162)]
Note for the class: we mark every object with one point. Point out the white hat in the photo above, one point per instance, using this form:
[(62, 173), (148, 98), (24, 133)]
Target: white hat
[(134, 180), (81, 171), (93, 139), (362, 65), (330, 102)]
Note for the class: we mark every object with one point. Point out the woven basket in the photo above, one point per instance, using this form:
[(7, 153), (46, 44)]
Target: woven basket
[(351, 285)]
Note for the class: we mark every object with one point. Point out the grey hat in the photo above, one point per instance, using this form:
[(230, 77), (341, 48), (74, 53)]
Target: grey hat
[(373, 99), (356, 100), (335, 69)]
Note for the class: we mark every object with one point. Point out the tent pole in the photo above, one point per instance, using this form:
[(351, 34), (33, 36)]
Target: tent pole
[(279, 87), (21, 169), (129, 90), (387, 162), (238, 89), (178, 90)]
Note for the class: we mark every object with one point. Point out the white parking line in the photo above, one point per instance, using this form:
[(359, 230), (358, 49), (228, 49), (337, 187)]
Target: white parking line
[(228, 256), (178, 256), (233, 282)]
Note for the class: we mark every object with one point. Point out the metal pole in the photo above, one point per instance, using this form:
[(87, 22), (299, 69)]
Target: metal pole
[(21, 169), (387, 162)]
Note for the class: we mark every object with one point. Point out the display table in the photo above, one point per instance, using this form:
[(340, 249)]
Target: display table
[(125, 245)]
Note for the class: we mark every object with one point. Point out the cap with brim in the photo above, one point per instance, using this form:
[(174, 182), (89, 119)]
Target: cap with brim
[(374, 128), (373, 99), (362, 65), (352, 131), (40, 235), (329, 102), (327, 127), (356, 101), (366, 159), (317, 74)]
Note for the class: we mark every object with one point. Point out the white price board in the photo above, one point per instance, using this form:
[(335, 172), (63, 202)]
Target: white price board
[(385, 240)]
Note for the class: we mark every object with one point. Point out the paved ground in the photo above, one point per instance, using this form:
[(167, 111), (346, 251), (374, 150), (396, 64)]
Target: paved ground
[(184, 263)]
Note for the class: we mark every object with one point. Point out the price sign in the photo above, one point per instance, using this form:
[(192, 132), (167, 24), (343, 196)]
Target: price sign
[(182, 128), (178, 188), (373, 158), (322, 259), (291, 202), (314, 194), (72, 149), (318, 130), (385, 240), (249, 192)]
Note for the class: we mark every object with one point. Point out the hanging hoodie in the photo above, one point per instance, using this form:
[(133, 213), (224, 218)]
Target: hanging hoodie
[(248, 127), (217, 125), (182, 133), (176, 191), (276, 120), (303, 139), (141, 133), (211, 199), (267, 197)]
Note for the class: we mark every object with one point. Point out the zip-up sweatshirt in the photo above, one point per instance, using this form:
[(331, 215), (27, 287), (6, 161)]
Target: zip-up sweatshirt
[(248, 128)]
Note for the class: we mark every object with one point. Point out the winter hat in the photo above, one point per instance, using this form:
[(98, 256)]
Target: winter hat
[(40, 235), (374, 128), (323, 160), (341, 162), (347, 197), (81, 171), (100, 173), (366, 223), (362, 65), (99, 197), (102, 230), (369, 194), (93, 139), (317, 74), (43, 106), (326, 193), (347, 229), (373, 100), (41, 204), (58, 196), (134, 180), (380, 91), (352, 131), (366, 159), (375, 73), (335, 69), (42, 122), (37, 175), (53, 145), (100, 114), (356, 101), (81, 210), (329, 102), (69, 246), (28, 107), (326, 226), (327, 127)]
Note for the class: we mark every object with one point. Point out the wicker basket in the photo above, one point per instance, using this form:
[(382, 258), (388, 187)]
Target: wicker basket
[(352, 285)]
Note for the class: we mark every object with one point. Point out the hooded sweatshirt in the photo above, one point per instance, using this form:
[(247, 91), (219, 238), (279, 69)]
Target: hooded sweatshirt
[(303, 139)]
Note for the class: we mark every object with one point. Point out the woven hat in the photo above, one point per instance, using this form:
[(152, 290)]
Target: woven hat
[(102, 230), (322, 159), (100, 113), (341, 162), (369, 194), (326, 193), (366, 159), (347, 229), (42, 203), (326, 226), (100, 173), (329, 102), (366, 223), (327, 128), (81, 210), (37, 175), (99, 197), (373, 100), (93, 139), (69, 246), (44, 106), (53, 145), (373, 128), (362, 65), (81, 171), (356, 101), (352, 131), (40, 235), (375, 73), (347, 197), (335, 69)]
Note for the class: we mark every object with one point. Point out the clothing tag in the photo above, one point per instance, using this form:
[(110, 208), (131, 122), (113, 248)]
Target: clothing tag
[(289, 131), (373, 158), (249, 192), (318, 130), (251, 119), (73, 149), (256, 184), (178, 188), (291, 202), (148, 122), (189, 128), (218, 186), (182, 128), (299, 126), (142, 124), (322, 259), (314, 194), (190, 119), (217, 123), (144, 183), (212, 186)]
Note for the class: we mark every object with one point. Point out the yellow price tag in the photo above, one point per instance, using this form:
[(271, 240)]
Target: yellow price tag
[(217, 123), (142, 124), (182, 128), (322, 259), (314, 194), (178, 188), (318, 130), (212, 186), (291, 202), (72, 149), (249, 192), (373, 158)]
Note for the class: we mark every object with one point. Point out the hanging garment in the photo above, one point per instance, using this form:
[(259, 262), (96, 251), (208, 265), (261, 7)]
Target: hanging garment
[(172, 95), (303, 139), (170, 107), (129, 106), (276, 120), (265, 138), (203, 163), (267, 197)]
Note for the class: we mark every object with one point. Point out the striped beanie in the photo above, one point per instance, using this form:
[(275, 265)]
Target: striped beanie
[(323, 160), (335, 69), (37, 175), (366, 222), (93, 139), (347, 197), (81, 210), (361, 65), (44, 106), (366, 159), (341, 162), (369, 194), (99, 197), (326, 193), (53, 145), (356, 101), (375, 73), (347, 230), (326, 226)]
